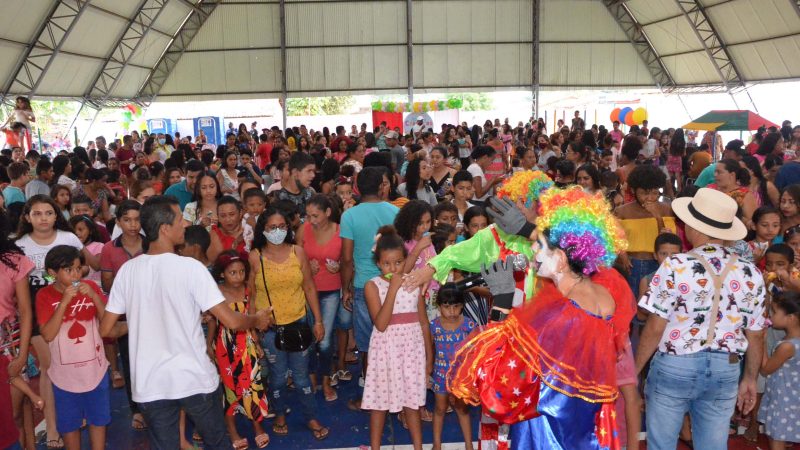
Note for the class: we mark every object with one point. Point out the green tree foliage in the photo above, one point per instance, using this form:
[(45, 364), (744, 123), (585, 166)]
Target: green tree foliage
[(474, 102), (318, 106)]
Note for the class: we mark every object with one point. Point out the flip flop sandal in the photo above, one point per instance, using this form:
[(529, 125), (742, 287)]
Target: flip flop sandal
[(117, 380), (332, 397), (196, 437), (280, 430), (320, 433), (55, 443), (344, 375), (241, 444), (425, 415), (262, 440), (138, 423)]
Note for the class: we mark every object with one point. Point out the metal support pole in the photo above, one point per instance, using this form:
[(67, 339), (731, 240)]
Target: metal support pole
[(535, 59), (88, 127), (284, 89), (75, 119), (410, 49)]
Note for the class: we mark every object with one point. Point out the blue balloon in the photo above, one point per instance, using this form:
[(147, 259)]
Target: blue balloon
[(623, 114)]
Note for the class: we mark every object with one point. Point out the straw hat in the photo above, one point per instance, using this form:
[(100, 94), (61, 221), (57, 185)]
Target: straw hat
[(712, 213)]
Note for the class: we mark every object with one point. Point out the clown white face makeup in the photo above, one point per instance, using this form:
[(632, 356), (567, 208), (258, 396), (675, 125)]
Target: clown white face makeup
[(547, 260)]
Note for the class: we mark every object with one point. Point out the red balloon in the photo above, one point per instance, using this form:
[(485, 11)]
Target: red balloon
[(629, 119), (615, 114)]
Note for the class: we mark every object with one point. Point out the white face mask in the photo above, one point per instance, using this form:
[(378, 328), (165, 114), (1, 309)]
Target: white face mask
[(276, 236), (547, 261)]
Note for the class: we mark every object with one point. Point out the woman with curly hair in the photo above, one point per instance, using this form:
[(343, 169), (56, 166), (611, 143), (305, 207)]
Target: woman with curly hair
[(643, 219)]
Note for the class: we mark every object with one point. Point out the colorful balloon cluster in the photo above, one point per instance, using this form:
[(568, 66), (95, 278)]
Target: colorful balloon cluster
[(629, 116), (402, 107), (130, 112)]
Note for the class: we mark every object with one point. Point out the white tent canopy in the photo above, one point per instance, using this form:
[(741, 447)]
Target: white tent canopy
[(107, 52)]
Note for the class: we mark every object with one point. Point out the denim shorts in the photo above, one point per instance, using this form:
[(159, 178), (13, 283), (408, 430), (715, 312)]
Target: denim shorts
[(362, 321), (72, 408)]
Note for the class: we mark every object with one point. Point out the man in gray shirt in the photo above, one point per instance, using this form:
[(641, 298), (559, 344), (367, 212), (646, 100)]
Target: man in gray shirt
[(398, 152), (40, 184)]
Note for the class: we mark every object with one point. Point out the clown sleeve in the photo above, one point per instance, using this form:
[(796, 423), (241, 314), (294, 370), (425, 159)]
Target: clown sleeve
[(466, 256)]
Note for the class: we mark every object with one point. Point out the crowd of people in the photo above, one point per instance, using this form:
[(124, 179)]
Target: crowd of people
[(208, 280)]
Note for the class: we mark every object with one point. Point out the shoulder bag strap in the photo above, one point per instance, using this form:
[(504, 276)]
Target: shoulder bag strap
[(264, 277), (718, 280)]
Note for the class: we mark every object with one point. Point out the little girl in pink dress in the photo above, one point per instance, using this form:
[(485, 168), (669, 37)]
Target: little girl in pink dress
[(399, 359)]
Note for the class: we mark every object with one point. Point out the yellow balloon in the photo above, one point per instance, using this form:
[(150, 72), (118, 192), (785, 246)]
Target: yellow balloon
[(639, 115)]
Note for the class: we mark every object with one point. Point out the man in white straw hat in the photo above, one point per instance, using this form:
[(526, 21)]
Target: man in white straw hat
[(707, 313)]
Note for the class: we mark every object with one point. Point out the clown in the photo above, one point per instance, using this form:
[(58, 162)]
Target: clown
[(520, 193), (549, 368), (492, 243)]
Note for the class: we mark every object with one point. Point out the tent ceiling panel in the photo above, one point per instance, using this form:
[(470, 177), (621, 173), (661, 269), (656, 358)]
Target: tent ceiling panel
[(130, 80), (768, 60), (342, 69), (149, 50), (86, 38), (649, 11), (692, 68), (576, 20), (21, 18), (500, 65), (611, 65), (438, 22), (239, 26), (745, 21), (317, 24), (201, 73), (173, 16), (673, 36), (69, 75), (9, 52), (122, 7)]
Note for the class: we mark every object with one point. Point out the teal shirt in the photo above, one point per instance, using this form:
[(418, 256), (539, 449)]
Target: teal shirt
[(360, 224), (13, 195), (179, 191), (706, 177)]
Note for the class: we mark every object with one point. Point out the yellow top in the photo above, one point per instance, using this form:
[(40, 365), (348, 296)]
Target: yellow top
[(642, 233), (285, 281)]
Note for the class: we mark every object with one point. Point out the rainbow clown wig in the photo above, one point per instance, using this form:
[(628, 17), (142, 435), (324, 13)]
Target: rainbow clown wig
[(582, 225), (525, 186)]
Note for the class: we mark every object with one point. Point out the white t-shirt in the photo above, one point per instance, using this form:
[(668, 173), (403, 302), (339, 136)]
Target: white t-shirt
[(476, 171), (163, 296), (37, 253), (649, 149)]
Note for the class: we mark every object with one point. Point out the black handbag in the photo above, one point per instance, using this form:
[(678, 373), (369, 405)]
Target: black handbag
[(294, 337)]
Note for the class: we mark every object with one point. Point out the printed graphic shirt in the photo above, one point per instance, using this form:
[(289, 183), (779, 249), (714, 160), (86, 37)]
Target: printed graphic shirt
[(682, 293), (78, 360)]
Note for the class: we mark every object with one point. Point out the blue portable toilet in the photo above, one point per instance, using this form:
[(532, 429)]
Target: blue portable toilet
[(213, 128), (164, 126)]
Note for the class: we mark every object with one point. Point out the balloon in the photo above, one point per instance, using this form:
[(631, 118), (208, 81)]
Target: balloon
[(127, 116), (376, 106), (434, 105), (615, 114), (401, 107), (623, 114), (639, 115), (629, 119), (442, 106), (390, 107)]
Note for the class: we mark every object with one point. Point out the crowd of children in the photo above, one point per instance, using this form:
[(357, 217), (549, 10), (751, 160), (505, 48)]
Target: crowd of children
[(253, 217)]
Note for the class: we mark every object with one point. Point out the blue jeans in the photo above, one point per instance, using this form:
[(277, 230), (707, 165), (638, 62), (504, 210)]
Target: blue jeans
[(640, 268), (280, 363), (332, 318), (362, 321), (704, 384), (205, 410)]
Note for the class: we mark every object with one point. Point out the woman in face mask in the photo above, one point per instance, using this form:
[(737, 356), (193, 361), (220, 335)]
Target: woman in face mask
[(283, 284)]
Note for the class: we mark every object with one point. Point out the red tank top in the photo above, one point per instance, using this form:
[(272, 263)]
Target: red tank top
[(324, 280), (227, 241)]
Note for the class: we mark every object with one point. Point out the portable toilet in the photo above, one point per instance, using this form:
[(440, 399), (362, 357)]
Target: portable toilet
[(164, 126), (212, 127)]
